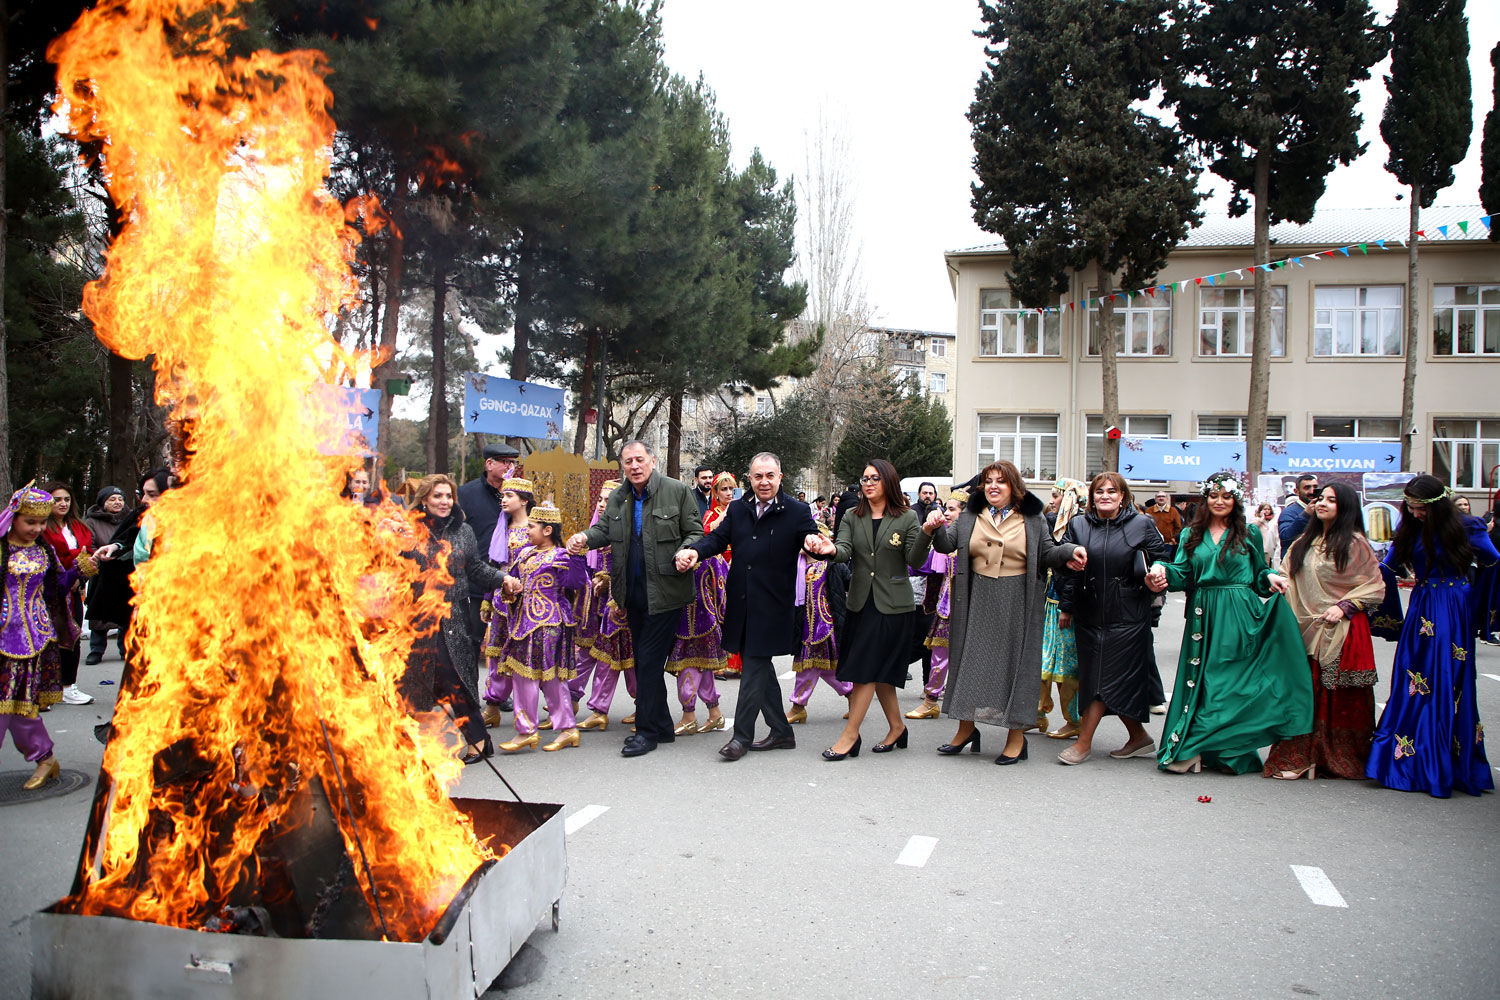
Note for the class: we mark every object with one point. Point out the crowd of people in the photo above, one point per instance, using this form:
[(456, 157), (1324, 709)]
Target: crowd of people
[(1012, 604)]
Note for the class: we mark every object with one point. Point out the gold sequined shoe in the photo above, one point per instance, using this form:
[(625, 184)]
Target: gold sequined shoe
[(544, 724), (717, 722), (597, 721), (565, 738), (686, 728), (629, 720), (520, 743), (797, 714), (926, 710), (1066, 732), (46, 769), (491, 716)]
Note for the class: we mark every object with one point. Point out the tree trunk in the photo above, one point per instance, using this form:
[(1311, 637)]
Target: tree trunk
[(437, 406), (391, 325), (122, 470), (1413, 335), (374, 309), (674, 437), (6, 486), (585, 392), (1109, 371), (1260, 346), (520, 355)]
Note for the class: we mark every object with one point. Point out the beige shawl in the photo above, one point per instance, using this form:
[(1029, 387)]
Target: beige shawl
[(1319, 586)]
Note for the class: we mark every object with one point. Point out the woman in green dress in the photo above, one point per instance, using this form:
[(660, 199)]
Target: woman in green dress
[(1242, 679)]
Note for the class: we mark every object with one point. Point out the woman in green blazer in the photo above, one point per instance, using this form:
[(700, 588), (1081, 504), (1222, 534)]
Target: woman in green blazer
[(880, 539)]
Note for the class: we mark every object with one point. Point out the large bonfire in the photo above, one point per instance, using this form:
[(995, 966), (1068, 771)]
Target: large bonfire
[(272, 620)]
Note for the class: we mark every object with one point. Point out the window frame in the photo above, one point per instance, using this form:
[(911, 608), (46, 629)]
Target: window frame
[(984, 457), (938, 347), (1240, 419), (1479, 310), (1136, 305), (1125, 418), (1357, 436), (933, 380), (1246, 320), (1048, 326), (1356, 332), (1484, 451)]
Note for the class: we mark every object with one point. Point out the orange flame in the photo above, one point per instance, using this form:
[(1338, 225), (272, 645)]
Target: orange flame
[(254, 624)]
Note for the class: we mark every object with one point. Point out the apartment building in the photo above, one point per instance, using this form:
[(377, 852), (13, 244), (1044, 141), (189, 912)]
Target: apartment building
[(1027, 385)]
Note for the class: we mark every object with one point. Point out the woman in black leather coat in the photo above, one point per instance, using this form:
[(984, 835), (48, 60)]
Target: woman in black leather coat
[(1110, 605)]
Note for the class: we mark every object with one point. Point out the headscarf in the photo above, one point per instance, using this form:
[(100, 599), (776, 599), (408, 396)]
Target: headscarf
[(1075, 495)]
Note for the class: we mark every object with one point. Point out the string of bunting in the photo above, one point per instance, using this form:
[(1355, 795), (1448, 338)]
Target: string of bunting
[(1240, 272)]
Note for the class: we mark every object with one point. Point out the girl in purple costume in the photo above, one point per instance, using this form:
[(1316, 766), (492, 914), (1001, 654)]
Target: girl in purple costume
[(937, 637), (510, 537), (698, 651), (538, 650), (612, 649), (34, 622), (818, 657)]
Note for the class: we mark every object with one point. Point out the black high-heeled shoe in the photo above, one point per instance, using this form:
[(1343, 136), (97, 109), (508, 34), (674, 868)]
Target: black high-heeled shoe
[(972, 742), (486, 749), (898, 742), (831, 754), (1002, 759)]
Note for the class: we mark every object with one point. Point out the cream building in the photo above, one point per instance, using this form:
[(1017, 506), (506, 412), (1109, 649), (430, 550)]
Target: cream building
[(1028, 387)]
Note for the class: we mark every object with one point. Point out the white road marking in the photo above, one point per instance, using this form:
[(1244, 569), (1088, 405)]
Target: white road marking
[(792, 675), (1315, 883), (916, 852), (578, 820), (1493, 677), (1380, 706)]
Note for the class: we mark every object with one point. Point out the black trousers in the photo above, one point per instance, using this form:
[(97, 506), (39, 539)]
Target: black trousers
[(760, 694), (448, 689), (653, 636), (69, 658)]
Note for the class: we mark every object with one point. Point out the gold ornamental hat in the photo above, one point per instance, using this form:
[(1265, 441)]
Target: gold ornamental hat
[(962, 496), (518, 485), (611, 485), (546, 515)]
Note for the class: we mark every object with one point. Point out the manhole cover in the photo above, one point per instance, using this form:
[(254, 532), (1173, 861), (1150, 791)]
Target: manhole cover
[(11, 792)]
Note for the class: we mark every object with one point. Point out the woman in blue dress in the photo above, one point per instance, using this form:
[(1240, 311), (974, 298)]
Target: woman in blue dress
[(1430, 738)]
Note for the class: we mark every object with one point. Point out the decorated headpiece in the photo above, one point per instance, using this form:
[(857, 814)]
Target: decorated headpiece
[(611, 485), (1447, 494), (1074, 498), (546, 515), (518, 486), (724, 477), (962, 496), (28, 501), (1224, 482)]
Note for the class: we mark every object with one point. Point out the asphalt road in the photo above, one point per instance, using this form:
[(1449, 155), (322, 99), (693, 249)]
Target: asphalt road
[(914, 875)]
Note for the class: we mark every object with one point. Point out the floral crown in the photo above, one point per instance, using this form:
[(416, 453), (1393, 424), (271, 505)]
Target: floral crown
[(518, 486), (546, 515), (1222, 481), (1447, 494)]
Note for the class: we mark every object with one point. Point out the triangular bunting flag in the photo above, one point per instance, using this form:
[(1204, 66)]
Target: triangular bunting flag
[(1484, 220), (1421, 232), (1364, 248), (1344, 251), (1151, 292), (1443, 230), (1464, 227), (1239, 272)]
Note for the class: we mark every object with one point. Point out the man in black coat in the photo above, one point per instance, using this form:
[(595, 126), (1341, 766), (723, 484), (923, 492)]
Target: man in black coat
[(480, 501), (768, 530)]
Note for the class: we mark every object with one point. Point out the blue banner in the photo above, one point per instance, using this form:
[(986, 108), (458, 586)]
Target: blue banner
[(1161, 458), (512, 409), (357, 412), (1297, 457)]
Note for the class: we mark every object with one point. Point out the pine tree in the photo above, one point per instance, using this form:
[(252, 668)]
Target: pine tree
[(1268, 93), (898, 423), (1426, 126), (1072, 172), (1489, 153)]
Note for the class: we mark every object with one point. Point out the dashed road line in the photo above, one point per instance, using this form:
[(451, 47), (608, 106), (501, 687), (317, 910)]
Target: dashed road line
[(1317, 886), (792, 675), (916, 852), (578, 820), (1493, 677)]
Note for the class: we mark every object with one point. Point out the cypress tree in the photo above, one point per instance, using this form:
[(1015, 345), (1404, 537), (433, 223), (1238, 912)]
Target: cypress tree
[(1268, 93), (1071, 171), (1426, 126), (1489, 152)]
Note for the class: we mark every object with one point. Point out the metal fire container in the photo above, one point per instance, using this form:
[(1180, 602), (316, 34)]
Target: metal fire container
[(112, 958)]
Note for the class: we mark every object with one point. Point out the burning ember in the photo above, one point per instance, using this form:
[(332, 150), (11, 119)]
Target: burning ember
[(261, 700)]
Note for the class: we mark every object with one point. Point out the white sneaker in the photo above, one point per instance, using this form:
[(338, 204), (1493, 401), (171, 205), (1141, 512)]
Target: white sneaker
[(73, 696), (1158, 710)]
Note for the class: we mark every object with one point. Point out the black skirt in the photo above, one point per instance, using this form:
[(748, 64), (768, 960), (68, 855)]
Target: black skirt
[(875, 648)]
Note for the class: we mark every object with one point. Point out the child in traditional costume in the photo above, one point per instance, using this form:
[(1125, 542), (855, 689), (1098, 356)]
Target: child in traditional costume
[(517, 497), (818, 656), (937, 638), (612, 649)]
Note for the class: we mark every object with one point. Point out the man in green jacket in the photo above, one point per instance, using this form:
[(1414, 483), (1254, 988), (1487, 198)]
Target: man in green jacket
[(644, 523)]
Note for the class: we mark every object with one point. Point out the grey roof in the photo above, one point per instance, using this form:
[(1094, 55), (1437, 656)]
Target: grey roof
[(1330, 227), (912, 332)]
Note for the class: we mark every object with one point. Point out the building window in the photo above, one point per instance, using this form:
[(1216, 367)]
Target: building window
[(1143, 326), (1226, 322), (1465, 319), (762, 406), (1007, 330), (939, 347), (1465, 451), (690, 406), (1358, 428), (937, 382), (1211, 428), (1357, 321), (1134, 425), (1027, 439)]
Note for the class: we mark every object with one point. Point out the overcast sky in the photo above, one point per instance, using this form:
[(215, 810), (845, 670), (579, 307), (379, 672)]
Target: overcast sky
[(900, 75)]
